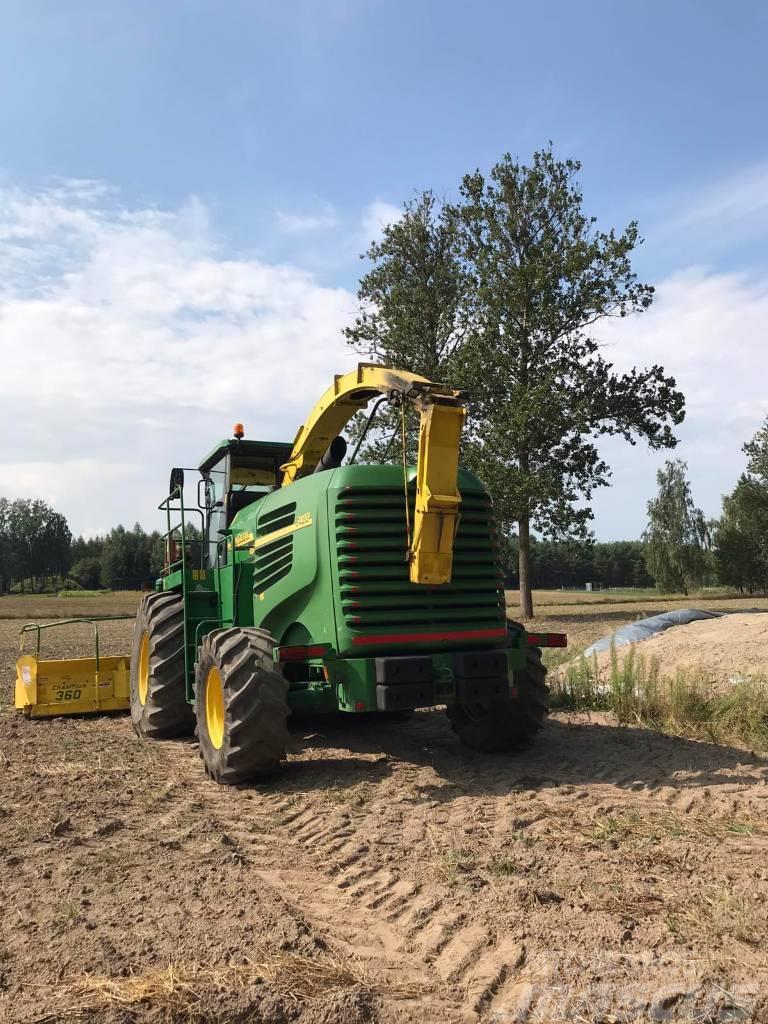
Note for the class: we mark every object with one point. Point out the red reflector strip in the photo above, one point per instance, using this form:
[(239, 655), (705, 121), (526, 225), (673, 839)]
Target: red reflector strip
[(301, 652), (420, 638), (546, 639)]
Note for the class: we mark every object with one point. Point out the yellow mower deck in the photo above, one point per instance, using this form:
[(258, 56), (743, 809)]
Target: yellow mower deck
[(72, 686)]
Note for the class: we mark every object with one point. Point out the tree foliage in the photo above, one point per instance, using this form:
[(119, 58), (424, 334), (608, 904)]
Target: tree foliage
[(410, 316), (34, 542), (741, 536), (86, 572), (677, 535), (575, 563), (498, 293)]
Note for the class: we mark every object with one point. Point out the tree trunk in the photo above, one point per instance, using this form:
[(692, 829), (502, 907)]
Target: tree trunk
[(524, 566)]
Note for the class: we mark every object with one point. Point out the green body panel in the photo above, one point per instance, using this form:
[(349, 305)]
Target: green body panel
[(342, 579), (323, 561), (292, 585)]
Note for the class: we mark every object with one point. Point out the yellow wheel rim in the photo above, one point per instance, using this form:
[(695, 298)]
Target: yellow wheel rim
[(144, 669), (214, 707)]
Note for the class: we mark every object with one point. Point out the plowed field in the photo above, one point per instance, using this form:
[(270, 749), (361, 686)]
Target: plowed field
[(389, 876)]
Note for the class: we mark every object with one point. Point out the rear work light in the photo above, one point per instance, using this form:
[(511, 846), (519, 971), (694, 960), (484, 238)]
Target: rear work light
[(302, 652), (546, 639)]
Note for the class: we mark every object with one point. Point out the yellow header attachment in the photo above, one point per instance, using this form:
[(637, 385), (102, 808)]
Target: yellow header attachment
[(442, 413)]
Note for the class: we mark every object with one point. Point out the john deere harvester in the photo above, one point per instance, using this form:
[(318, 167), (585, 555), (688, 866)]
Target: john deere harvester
[(320, 586)]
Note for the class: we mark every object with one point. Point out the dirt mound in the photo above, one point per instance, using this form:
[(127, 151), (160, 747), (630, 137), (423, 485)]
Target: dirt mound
[(724, 648)]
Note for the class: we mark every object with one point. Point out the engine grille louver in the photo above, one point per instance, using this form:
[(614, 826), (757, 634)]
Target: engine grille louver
[(376, 593), (273, 561)]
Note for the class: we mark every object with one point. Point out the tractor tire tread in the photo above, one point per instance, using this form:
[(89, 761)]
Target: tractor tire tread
[(255, 696), (166, 714), (509, 724)]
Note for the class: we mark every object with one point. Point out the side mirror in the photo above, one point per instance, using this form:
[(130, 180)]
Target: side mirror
[(177, 481)]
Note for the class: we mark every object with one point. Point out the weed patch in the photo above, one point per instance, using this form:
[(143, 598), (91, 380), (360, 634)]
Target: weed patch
[(685, 703)]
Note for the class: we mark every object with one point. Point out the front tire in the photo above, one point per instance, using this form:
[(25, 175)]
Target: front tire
[(240, 705), (159, 706), (493, 726)]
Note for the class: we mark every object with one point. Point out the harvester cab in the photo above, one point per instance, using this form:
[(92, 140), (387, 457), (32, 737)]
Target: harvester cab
[(235, 474)]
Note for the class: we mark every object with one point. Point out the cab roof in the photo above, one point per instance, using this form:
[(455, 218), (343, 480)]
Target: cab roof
[(279, 450)]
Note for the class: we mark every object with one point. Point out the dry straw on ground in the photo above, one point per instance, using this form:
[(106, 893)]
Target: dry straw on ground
[(178, 994)]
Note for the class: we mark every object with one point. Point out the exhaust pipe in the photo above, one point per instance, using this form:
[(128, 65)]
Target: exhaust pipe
[(333, 455)]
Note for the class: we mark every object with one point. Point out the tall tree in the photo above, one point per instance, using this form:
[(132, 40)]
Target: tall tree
[(541, 275), (6, 549), (741, 536), (410, 305), (37, 540), (676, 536)]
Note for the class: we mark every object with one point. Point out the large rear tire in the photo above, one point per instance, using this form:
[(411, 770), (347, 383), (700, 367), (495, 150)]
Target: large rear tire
[(159, 706), (241, 706), (497, 725)]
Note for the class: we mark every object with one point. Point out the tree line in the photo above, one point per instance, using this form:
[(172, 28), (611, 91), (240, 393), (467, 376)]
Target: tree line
[(38, 552), (574, 564)]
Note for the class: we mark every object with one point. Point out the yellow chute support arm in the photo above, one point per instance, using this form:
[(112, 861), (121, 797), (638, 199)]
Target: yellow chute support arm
[(442, 413)]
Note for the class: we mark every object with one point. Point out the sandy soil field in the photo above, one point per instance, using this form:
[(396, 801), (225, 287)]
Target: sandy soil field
[(389, 876)]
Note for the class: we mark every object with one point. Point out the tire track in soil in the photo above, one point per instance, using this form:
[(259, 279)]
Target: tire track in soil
[(352, 906), (414, 942), (329, 865)]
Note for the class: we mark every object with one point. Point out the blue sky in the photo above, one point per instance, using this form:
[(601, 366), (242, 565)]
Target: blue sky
[(230, 160)]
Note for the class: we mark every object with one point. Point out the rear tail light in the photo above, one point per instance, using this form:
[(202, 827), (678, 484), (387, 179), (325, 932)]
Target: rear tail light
[(301, 652), (546, 639)]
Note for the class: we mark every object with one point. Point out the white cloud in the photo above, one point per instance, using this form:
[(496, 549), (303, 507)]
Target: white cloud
[(378, 215), (299, 223), (128, 344), (708, 331)]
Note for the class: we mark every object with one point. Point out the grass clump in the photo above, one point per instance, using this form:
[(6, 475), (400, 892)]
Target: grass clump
[(685, 703), (450, 861), (580, 688), (502, 867), (631, 825)]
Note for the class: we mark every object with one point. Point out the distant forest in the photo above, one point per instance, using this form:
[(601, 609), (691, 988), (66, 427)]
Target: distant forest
[(619, 563)]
